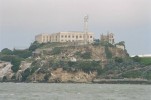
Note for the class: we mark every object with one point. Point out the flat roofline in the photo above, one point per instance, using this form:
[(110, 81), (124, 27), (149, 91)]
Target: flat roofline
[(63, 32)]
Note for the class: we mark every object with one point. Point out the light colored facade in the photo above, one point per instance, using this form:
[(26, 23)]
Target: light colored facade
[(108, 38), (120, 46), (65, 37), (42, 38)]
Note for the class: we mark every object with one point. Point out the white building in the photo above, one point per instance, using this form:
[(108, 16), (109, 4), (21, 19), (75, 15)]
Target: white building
[(120, 46), (65, 37)]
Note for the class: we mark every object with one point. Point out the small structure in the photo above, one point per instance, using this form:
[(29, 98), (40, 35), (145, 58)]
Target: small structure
[(107, 38), (120, 46)]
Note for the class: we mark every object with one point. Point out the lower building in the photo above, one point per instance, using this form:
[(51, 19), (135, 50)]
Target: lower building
[(65, 37), (107, 38)]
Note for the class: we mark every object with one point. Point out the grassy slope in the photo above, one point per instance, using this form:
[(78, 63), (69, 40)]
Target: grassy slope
[(146, 60)]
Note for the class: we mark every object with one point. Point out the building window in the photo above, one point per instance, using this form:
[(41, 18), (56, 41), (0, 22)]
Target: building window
[(80, 36), (65, 36), (76, 36), (69, 36), (72, 36), (62, 36), (90, 36)]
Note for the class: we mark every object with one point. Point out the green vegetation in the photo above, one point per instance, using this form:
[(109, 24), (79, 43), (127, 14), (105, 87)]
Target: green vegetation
[(132, 74), (7, 51), (136, 59), (146, 60), (46, 77), (118, 59), (147, 75), (86, 55), (22, 53), (15, 61), (121, 43), (97, 42), (108, 52), (56, 50), (143, 60), (25, 74), (15, 57), (34, 46), (114, 67), (4, 79), (85, 66)]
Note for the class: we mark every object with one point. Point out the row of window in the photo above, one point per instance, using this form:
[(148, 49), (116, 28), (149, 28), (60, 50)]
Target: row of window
[(72, 40), (46, 38), (73, 36)]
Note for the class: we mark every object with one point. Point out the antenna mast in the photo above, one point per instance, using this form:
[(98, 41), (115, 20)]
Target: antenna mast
[(86, 28)]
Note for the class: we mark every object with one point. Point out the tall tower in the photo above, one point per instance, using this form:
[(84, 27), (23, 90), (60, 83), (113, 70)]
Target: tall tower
[(86, 29)]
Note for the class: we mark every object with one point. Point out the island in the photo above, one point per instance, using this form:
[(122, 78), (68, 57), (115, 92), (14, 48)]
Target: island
[(53, 59)]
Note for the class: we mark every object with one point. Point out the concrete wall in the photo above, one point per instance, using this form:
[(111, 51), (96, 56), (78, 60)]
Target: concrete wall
[(65, 37)]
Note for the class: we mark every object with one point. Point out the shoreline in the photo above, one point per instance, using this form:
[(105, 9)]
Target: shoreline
[(122, 81), (96, 81)]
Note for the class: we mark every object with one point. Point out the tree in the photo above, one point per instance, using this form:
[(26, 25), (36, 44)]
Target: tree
[(56, 50), (86, 55), (4, 79), (25, 74), (7, 51), (34, 46), (136, 59), (46, 77), (121, 43), (108, 52), (16, 61), (118, 59), (22, 53)]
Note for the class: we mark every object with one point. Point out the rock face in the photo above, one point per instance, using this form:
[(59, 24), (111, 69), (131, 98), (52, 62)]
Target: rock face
[(60, 75), (5, 71), (47, 73), (63, 76), (96, 52)]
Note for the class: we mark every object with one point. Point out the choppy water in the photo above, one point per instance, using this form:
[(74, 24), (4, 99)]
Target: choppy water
[(49, 91)]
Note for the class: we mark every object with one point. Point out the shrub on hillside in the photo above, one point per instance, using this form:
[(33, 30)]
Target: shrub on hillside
[(22, 53), (118, 59), (56, 50), (25, 74), (15, 61), (136, 59), (86, 66), (132, 74), (34, 46), (86, 55), (108, 52), (146, 60), (6, 51)]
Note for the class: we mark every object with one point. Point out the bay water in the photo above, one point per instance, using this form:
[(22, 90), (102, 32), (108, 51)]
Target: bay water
[(67, 91)]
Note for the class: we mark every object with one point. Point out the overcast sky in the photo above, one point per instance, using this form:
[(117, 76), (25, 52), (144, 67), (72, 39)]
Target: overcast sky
[(129, 20)]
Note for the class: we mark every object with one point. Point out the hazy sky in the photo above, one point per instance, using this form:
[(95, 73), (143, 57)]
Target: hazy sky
[(129, 20)]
